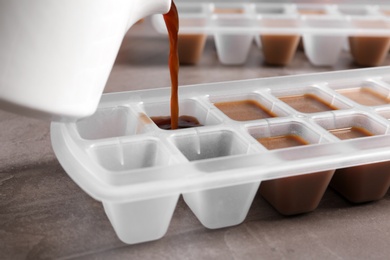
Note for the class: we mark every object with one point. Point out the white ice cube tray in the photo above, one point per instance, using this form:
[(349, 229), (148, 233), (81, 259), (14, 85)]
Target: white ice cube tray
[(324, 28), (138, 171)]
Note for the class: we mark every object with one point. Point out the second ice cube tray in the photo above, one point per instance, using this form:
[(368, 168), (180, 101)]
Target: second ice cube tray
[(324, 30), (312, 131)]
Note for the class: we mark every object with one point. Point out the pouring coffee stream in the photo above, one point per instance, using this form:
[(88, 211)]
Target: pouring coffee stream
[(172, 22), (174, 121)]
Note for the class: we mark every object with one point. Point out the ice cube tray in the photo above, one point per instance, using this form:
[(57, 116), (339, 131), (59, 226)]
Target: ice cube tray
[(138, 171), (325, 30)]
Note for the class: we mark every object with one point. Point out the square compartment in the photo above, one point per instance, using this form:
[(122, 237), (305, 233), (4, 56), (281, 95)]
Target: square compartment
[(284, 135), (229, 8), (362, 183), (351, 125), (370, 50), (359, 183), (323, 49), (129, 155), (279, 49), (207, 145), (366, 94), (269, 9), (311, 10), (233, 45), (141, 221), (353, 10), (247, 107), (220, 207), (384, 112), (192, 9), (385, 11), (190, 48), (109, 122), (296, 194), (191, 45), (188, 107), (312, 100)]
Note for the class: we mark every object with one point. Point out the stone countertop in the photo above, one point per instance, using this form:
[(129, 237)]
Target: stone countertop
[(45, 215)]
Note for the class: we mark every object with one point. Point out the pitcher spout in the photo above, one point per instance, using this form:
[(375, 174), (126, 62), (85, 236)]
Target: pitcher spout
[(143, 8)]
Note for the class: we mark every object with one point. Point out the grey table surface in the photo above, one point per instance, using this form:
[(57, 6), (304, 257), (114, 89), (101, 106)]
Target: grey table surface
[(45, 215)]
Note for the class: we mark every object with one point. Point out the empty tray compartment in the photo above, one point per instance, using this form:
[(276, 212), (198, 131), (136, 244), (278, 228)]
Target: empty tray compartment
[(126, 155), (219, 207), (110, 122), (353, 10), (271, 9), (323, 49), (295, 194), (233, 44), (144, 220), (383, 112), (365, 182)]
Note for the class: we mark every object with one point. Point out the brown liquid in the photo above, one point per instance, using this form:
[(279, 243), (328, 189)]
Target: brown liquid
[(365, 96), (191, 47), (307, 103), (350, 132), (172, 22), (311, 11), (296, 194), (279, 49), (244, 110), (174, 121), (220, 10), (369, 51), (283, 141), (362, 183), (164, 122)]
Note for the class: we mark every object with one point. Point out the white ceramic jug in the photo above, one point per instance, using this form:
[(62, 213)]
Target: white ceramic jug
[(56, 55)]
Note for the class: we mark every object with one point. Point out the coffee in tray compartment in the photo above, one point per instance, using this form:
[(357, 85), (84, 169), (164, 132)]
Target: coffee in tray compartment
[(244, 110), (362, 183), (308, 103), (295, 194), (369, 51), (365, 96), (190, 48), (282, 141), (279, 49), (164, 122)]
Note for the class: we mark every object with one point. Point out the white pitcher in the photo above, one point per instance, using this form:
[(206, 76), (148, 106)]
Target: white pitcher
[(56, 55)]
